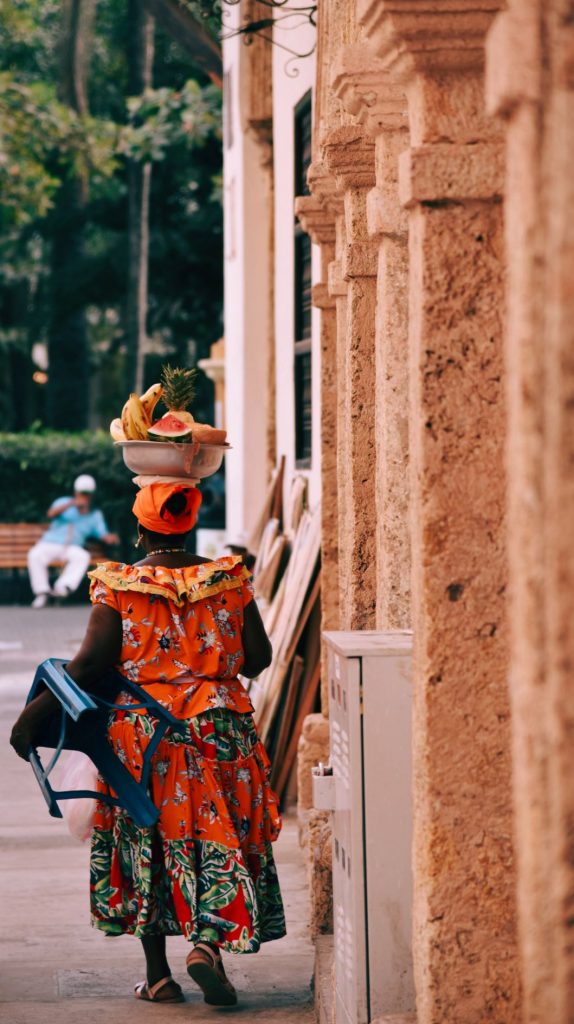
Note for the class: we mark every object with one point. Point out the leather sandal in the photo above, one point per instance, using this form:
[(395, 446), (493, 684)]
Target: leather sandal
[(149, 993), (206, 969)]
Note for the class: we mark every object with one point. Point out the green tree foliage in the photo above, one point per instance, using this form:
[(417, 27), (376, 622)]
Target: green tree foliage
[(45, 145)]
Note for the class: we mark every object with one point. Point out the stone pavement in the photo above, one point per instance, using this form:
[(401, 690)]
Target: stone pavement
[(54, 966)]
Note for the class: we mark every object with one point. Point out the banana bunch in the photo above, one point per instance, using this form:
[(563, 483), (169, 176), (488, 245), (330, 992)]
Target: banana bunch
[(137, 416)]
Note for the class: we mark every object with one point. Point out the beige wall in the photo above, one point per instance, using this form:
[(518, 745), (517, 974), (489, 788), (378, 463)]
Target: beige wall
[(248, 278), (288, 90)]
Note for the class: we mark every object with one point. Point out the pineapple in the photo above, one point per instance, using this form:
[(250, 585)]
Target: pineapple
[(179, 391)]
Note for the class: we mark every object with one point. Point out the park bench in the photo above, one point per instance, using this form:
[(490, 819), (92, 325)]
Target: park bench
[(16, 539)]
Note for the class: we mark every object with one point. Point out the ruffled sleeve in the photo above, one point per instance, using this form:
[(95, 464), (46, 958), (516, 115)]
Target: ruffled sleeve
[(101, 593), (244, 578), (179, 585)]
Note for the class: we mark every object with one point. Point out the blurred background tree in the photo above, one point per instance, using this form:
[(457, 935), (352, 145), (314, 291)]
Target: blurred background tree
[(110, 170)]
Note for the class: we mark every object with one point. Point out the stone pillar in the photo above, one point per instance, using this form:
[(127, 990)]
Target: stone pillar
[(530, 49), (368, 92), (329, 511), (387, 225), (337, 288), (349, 156), (319, 223), (451, 182), (334, 476)]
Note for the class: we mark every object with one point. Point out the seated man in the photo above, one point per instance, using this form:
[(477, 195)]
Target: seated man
[(73, 521)]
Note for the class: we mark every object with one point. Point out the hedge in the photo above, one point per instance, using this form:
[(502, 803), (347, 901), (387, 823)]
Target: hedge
[(37, 467)]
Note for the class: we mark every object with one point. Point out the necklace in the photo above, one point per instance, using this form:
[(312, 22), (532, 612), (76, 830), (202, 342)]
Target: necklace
[(167, 551)]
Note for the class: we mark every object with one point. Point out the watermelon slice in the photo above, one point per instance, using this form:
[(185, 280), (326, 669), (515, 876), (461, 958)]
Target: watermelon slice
[(169, 428)]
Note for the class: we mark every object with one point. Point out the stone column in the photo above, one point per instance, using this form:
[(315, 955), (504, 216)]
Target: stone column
[(367, 91), (319, 223), (337, 289), (530, 48), (451, 182), (349, 155), (325, 192)]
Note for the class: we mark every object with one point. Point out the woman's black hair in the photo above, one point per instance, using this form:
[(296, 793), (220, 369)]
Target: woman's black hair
[(177, 503)]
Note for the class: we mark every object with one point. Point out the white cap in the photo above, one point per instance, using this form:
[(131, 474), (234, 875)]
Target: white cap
[(84, 483)]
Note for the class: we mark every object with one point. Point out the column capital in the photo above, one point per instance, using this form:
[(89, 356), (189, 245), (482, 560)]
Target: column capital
[(450, 172), (323, 186), (368, 91), (322, 298), (316, 219), (350, 156), (428, 36)]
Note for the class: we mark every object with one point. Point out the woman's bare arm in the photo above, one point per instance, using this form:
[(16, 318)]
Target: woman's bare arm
[(256, 643), (100, 650), (101, 647)]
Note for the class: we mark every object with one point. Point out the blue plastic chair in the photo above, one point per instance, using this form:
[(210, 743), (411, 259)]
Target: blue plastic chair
[(83, 725)]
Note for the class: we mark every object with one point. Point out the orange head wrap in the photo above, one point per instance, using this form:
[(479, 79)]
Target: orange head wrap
[(150, 510)]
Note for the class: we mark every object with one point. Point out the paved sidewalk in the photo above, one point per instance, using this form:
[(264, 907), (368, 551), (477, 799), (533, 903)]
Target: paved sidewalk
[(55, 968)]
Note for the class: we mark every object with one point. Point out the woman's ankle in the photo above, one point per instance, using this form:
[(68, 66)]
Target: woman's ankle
[(155, 974), (157, 966)]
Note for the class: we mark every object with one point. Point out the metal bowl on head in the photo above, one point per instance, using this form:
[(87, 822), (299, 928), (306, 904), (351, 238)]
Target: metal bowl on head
[(169, 458)]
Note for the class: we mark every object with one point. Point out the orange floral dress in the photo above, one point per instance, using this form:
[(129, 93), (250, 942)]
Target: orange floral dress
[(206, 870)]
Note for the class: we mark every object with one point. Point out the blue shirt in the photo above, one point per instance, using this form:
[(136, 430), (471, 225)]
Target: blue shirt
[(73, 526)]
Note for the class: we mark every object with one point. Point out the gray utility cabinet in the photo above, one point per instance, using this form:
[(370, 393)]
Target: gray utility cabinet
[(368, 789)]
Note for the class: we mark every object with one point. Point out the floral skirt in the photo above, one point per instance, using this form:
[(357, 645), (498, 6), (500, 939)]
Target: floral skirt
[(206, 870)]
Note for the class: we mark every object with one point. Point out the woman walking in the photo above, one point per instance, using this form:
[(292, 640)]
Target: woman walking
[(182, 628)]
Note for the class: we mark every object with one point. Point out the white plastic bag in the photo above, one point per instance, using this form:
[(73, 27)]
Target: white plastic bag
[(79, 772)]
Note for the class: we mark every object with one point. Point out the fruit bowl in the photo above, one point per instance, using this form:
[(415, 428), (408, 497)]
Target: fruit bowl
[(168, 458)]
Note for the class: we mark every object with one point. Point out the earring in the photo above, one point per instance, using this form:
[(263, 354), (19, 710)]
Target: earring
[(138, 541)]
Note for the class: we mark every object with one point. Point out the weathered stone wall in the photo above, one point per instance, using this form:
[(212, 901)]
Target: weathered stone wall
[(530, 86), (348, 155), (368, 93), (449, 375), (464, 936), (420, 469)]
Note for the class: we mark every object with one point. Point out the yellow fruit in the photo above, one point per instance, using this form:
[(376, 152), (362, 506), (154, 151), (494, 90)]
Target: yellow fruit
[(140, 420), (117, 431), (184, 416), (135, 422), (125, 421), (151, 398)]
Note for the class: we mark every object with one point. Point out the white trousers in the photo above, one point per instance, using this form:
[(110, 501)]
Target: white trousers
[(76, 561)]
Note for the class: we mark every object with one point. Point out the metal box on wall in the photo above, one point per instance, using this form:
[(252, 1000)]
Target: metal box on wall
[(370, 788)]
